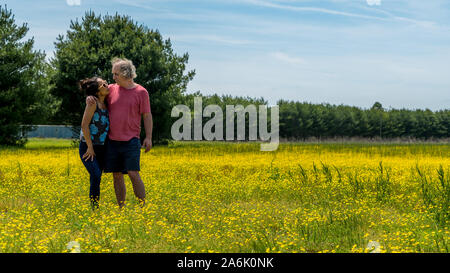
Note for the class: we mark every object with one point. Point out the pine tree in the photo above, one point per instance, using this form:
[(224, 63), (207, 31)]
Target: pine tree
[(24, 88), (87, 51)]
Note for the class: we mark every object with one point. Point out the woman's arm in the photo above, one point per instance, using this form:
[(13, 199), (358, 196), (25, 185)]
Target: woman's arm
[(87, 117)]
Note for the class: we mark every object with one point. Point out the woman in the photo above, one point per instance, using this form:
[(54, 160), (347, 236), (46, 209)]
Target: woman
[(94, 128)]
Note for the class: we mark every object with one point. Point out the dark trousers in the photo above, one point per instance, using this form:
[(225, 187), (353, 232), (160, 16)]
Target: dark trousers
[(95, 168)]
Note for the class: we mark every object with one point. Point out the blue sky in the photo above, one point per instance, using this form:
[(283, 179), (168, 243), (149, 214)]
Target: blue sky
[(352, 52)]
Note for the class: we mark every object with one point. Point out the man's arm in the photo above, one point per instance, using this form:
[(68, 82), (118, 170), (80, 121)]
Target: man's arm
[(91, 100), (148, 125)]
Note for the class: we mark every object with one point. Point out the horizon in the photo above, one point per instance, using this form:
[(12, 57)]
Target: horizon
[(336, 52)]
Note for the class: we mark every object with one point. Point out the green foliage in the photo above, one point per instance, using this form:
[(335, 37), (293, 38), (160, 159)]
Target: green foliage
[(301, 120), (24, 88), (383, 184), (436, 196), (87, 50), (222, 101)]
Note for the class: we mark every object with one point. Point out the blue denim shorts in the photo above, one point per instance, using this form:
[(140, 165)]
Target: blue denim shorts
[(122, 156)]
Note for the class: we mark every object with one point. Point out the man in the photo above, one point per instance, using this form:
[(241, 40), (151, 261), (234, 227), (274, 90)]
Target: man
[(127, 102)]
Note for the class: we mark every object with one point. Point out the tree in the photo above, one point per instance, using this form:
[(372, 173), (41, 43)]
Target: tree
[(378, 109), (24, 89), (87, 50)]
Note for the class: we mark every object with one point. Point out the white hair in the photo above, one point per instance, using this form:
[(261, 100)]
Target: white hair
[(126, 66)]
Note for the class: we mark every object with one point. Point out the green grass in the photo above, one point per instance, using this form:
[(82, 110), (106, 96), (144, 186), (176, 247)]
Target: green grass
[(42, 143)]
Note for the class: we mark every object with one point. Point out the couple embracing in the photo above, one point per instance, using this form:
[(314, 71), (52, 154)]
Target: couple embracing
[(110, 130)]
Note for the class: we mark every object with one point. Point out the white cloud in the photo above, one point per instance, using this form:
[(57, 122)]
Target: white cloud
[(286, 58), (73, 2), (208, 38), (313, 9), (373, 2), (390, 17)]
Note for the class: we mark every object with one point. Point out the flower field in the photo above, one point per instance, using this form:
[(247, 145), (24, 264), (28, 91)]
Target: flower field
[(230, 197)]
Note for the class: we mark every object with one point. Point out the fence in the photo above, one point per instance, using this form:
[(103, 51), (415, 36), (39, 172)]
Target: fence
[(51, 131)]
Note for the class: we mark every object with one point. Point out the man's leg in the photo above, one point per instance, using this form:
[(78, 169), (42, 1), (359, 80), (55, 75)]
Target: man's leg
[(119, 187), (138, 185), (113, 164)]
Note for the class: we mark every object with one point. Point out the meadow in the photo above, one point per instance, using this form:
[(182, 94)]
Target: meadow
[(231, 197)]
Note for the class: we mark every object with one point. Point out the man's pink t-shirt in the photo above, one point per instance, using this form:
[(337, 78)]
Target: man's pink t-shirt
[(125, 108)]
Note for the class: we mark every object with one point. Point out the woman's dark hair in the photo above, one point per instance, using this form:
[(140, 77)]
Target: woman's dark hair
[(89, 86)]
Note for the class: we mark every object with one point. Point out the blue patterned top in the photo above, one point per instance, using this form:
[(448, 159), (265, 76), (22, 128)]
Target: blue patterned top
[(98, 127)]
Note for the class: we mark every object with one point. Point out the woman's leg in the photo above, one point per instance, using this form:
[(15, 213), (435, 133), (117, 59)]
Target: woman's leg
[(95, 172), (94, 190)]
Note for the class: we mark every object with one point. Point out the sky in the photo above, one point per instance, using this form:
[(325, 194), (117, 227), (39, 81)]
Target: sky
[(351, 52)]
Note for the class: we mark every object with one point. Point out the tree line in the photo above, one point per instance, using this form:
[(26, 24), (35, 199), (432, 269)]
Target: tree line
[(34, 90), (300, 120), (304, 120)]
